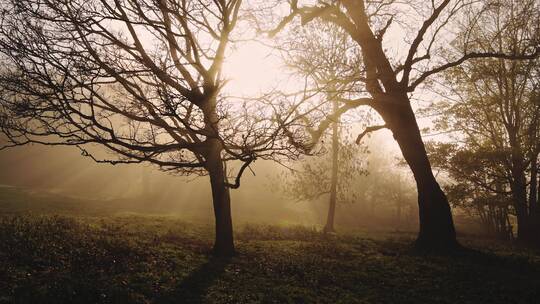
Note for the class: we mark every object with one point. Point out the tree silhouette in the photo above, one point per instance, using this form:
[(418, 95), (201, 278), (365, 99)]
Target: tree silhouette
[(140, 78), (391, 74)]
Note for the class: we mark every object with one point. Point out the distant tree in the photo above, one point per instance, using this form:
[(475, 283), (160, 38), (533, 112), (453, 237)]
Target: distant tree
[(400, 194), (495, 114), (316, 56), (362, 175), (320, 175), (140, 78), (392, 70)]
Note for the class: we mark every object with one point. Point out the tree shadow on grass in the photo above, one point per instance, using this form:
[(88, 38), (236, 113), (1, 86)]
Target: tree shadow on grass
[(195, 286)]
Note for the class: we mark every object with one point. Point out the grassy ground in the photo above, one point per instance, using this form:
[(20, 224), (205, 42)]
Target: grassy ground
[(85, 256), (141, 259)]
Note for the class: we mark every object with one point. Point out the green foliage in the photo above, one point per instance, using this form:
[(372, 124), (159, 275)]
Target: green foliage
[(136, 259)]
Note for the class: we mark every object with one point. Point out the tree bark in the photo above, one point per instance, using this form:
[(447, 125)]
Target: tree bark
[(537, 209), (518, 186), (523, 229), (221, 199), (224, 241), (538, 199), (437, 230), (329, 227), (533, 190), (534, 196)]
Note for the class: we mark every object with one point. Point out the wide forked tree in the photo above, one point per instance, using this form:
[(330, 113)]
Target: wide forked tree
[(139, 78), (420, 48)]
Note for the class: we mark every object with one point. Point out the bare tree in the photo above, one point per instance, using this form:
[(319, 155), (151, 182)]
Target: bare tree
[(394, 69), (141, 78)]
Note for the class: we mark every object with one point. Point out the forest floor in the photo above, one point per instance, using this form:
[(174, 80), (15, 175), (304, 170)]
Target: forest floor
[(129, 258)]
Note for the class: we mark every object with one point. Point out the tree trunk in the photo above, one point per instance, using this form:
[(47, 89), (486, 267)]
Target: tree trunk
[(437, 230), (533, 191), (537, 208), (518, 186), (537, 211), (329, 227), (224, 242), (534, 195)]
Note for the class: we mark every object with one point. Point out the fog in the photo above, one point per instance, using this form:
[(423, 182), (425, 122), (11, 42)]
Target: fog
[(248, 151), (144, 189)]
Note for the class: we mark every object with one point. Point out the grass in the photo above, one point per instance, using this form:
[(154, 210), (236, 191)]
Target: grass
[(159, 259)]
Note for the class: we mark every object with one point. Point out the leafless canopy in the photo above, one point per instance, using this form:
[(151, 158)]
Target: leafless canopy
[(139, 77)]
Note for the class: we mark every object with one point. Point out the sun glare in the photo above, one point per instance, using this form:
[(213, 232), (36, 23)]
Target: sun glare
[(251, 68)]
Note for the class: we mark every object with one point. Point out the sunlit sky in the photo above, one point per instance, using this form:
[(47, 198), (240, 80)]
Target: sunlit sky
[(251, 68)]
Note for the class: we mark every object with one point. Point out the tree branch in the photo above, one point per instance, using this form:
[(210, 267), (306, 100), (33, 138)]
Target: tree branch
[(369, 130), (236, 184), (407, 66), (469, 56)]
